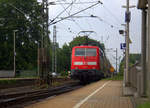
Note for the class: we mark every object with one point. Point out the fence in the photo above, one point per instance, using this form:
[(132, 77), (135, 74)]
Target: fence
[(6, 73), (19, 73), (135, 77)]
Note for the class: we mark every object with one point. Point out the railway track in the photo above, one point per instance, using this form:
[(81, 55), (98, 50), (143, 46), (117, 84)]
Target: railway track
[(19, 99), (21, 82)]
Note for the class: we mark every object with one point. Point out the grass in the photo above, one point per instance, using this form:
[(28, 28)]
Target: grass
[(117, 78), (144, 105), (8, 81), (13, 81), (27, 77), (56, 84)]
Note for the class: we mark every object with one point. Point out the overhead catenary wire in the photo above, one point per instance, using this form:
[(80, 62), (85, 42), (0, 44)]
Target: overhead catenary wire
[(76, 13), (111, 25), (91, 15), (73, 1), (71, 17), (104, 21), (116, 18), (85, 13), (68, 29), (70, 10), (60, 3), (61, 13), (100, 19)]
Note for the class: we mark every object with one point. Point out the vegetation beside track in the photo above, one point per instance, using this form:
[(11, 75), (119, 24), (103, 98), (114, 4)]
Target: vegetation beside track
[(116, 77), (133, 59), (144, 105), (16, 82), (12, 81)]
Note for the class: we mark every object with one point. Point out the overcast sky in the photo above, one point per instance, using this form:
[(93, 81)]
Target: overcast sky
[(106, 30)]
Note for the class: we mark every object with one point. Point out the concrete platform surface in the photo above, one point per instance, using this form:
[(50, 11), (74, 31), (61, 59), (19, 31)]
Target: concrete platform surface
[(101, 94), (128, 91)]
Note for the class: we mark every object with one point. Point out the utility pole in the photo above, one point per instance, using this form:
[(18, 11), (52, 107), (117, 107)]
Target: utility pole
[(55, 49), (143, 55), (127, 20), (54, 53), (127, 43), (43, 52), (45, 23)]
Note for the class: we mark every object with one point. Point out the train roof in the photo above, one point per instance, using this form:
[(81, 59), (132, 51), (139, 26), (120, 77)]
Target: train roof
[(86, 46)]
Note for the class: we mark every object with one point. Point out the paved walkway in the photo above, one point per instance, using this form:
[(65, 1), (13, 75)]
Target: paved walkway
[(102, 94)]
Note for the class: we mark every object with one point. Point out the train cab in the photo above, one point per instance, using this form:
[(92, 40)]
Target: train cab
[(85, 62)]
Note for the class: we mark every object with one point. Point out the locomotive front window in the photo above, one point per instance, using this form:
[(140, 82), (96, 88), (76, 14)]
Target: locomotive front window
[(91, 52), (80, 52), (85, 52)]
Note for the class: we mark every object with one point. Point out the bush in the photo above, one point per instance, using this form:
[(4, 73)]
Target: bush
[(145, 105), (116, 77), (64, 73)]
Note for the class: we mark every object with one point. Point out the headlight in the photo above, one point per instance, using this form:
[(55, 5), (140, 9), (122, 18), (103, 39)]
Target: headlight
[(78, 63), (91, 63)]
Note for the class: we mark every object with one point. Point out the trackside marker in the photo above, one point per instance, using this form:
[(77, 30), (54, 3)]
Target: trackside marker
[(85, 99)]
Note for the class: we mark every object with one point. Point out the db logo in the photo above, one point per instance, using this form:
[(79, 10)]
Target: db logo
[(85, 63)]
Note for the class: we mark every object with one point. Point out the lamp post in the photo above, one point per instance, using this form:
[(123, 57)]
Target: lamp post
[(14, 31)]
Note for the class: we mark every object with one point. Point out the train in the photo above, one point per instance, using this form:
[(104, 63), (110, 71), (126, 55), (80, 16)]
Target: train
[(89, 63)]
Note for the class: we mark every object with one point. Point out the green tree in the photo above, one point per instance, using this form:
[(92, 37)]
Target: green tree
[(28, 35), (82, 40), (133, 58), (63, 58)]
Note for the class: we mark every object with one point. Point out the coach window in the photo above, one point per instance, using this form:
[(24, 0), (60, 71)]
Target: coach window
[(80, 52)]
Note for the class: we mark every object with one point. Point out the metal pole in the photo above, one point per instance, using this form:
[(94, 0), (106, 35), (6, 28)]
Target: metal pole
[(14, 56), (55, 50), (54, 58), (127, 44), (44, 43), (15, 53), (143, 55), (38, 62)]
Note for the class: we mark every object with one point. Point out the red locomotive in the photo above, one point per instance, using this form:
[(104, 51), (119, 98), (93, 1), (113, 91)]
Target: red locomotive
[(88, 63)]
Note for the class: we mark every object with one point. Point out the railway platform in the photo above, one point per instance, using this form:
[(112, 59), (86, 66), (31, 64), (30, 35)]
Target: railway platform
[(101, 94), (18, 79)]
